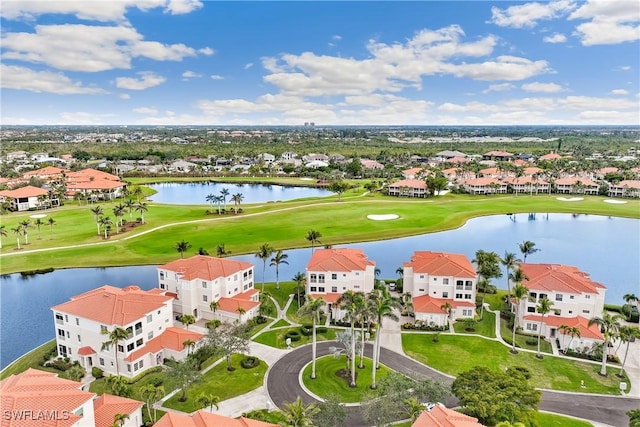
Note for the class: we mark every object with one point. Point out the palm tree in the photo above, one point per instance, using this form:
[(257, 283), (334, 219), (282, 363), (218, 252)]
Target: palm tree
[(142, 208), (218, 201), (188, 344), (630, 298), (119, 420), (149, 394), (488, 266), (130, 205), (182, 246), (106, 223), (279, 258), (208, 400), (313, 306), (237, 199), (203, 251), (241, 311), (25, 228), (519, 291), (544, 307), (297, 414), (137, 192), (97, 213), (264, 252), (313, 236), (382, 305), (400, 271), (187, 319), (446, 307), (118, 212), (18, 231), (213, 305), (349, 301), (299, 280), (626, 335), (39, 223), (573, 332), (221, 251), (3, 233), (564, 329), (51, 223), (527, 248), (211, 199), (224, 193), (510, 261), (609, 325), (115, 336), (413, 408)]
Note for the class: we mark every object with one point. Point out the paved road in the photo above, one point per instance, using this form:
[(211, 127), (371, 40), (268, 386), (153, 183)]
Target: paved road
[(283, 386)]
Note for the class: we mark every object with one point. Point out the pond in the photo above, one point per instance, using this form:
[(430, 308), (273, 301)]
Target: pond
[(607, 248), (195, 193)]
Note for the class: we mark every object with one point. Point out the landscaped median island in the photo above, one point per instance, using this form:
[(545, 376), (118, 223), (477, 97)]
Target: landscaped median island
[(553, 373)]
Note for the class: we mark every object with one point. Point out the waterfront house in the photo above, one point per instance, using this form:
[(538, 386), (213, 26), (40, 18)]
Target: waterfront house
[(575, 185), (40, 398), (83, 324), (25, 198), (408, 188), (626, 188), (203, 418), (435, 279), (527, 184), (332, 272), (576, 299), (484, 186), (199, 281)]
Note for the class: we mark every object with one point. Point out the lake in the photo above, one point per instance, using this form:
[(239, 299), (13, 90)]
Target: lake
[(195, 193), (607, 248)]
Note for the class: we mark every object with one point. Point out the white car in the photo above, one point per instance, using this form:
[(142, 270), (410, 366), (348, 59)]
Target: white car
[(392, 286)]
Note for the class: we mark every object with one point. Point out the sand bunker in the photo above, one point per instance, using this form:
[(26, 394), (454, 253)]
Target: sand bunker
[(385, 217), (572, 199), (615, 202), (307, 179), (36, 216)]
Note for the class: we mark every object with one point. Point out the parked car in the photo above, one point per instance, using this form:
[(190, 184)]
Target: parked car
[(392, 286)]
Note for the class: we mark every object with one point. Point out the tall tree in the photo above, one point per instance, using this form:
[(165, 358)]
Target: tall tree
[(609, 325), (25, 224), (39, 223), (106, 223), (184, 374), (237, 200), (208, 401), (264, 252), (115, 336), (97, 213), (544, 307), (573, 332), (51, 222), (349, 302), (519, 291), (626, 334), (382, 305), (221, 251), (3, 233), (297, 414), (187, 319), (224, 193), (488, 267), (130, 205), (151, 394), (182, 246), (528, 248), (313, 236), (18, 231), (142, 208), (338, 187), (229, 338), (313, 306), (279, 258), (510, 261)]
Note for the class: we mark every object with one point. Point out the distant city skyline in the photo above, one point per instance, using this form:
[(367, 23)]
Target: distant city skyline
[(189, 62)]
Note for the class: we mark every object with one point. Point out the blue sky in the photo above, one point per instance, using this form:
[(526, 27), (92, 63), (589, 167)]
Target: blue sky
[(182, 62)]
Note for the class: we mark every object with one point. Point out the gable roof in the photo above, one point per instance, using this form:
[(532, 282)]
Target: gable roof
[(172, 338), (113, 306), (559, 278), (205, 267), (342, 259), (27, 191), (582, 323), (230, 305), (427, 304), (49, 170), (441, 264), (440, 416), (205, 419), (105, 408), (412, 183)]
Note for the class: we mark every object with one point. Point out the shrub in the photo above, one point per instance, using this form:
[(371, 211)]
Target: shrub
[(260, 320), (306, 330), (59, 364), (532, 341), (321, 329), (249, 362), (212, 324), (293, 335), (523, 370), (97, 373)]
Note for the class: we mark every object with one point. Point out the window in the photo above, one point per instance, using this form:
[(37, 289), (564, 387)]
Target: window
[(79, 339), (321, 289), (435, 279), (467, 296), (445, 295), (313, 278), (101, 360), (66, 317), (61, 333), (570, 296), (120, 348), (445, 281), (205, 298), (204, 285), (468, 285), (141, 364), (139, 342), (103, 329), (586, 312), (161, 275), (558, 297), (162, 286), (149, 318), (334, 276), (135, 366), (356, 286), (77, 321), (334, 289), (532, 327), (130, 347), (587, 297), (531, 309), (128, 367), (357, 273), (422, 276), (150, 335), (68, 334), (421, 289), (59, 319), (459, 284), (158, 311), (557, 312), (314, 289), (458, 296), (138, 328), (320, 278), (235, 277)]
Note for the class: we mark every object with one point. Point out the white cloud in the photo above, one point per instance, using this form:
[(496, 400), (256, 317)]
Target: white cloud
[(336, 37), (147, 79), (85, 118), (619, 92), (555, 38), (217, 77), (505, 67), (499, 87), (190, 75), (248, 65), (622, 68), (610, 22), (542, 87), (527, 15), (87, 48), (124, 96), (22, 78), (206, 51), (146, 110), (102, 11)]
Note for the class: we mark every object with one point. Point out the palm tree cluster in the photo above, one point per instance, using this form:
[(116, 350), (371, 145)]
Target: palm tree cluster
[(221, 200), (104, 223)]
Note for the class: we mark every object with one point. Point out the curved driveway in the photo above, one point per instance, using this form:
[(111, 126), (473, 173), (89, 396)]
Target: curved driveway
[(283, 386)]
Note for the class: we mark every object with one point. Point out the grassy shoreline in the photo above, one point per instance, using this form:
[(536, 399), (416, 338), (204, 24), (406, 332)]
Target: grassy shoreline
[(282, 224)]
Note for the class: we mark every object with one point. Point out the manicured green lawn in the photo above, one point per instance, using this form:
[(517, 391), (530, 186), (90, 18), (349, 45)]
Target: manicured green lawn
[(485, 327), (99, 386), (521, 340), (455, 354), (222, 383), (30, 360), (280, 294), (282, 224), (280, 324), (276, 338), (328, 382), (553, 420)]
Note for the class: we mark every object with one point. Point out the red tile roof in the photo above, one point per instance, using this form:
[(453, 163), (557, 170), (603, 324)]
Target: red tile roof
[(633, 184), (28, 191), (96, 184), (343, 259), (330, 298), (113, 306), (559, 278), (49, 170), (572, 180), (230, 305), (86, 351), (440, 416), (35, 390), (172, 338), (498, 154), (482, 181), (205, 419), (458, 160), (411, 183), (586, 331), (413, 171), (427, 304), (206, 267), (551, 156), (90, 174), (441, 264), (107, 406)]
